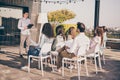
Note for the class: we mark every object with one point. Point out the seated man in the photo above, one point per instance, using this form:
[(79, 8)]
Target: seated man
[(79, 43)]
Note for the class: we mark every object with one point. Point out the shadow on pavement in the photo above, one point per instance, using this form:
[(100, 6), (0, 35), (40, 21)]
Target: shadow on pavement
[(112, 72)]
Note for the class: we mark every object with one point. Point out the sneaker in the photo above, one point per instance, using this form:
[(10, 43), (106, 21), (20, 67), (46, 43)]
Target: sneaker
[(24, 67), (71, 67), (21, 56)]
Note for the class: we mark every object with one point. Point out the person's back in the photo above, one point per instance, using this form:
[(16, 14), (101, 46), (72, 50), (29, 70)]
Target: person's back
[(80, 43), (45, 39), (94, 44), (97, 41)]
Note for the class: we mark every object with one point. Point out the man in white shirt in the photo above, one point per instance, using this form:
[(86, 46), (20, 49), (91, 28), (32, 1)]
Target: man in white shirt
[(25, 32), (78, 47)]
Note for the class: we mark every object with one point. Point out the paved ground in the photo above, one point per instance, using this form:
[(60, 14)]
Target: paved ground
[(10, 65)]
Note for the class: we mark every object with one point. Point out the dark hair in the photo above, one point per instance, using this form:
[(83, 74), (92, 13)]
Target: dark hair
[(68, 32), (81, 27), (25, 12), (59, 29), (105, 29), (48, 30)]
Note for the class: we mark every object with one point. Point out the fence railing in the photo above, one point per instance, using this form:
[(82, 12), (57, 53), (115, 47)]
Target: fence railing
[(114, 35)]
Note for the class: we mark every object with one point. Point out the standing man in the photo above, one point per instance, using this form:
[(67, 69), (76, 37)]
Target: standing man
[(25, 33)]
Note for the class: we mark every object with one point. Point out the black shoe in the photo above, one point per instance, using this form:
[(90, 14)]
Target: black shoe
[(21, 56)]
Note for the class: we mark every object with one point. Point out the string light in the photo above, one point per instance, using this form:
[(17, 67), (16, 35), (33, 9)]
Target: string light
[(60, 1)]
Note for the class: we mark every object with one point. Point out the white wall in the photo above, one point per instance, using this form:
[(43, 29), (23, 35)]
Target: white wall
[(84, 10), (11, 12), (110, 13)]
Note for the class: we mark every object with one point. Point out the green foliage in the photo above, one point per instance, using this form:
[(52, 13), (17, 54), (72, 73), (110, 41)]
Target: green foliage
[(116, 36), (60, 15)]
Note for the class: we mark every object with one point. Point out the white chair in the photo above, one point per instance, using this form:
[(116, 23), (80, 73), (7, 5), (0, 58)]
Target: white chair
[(43, 55), (95, 55), (77, 60), (54, 55)]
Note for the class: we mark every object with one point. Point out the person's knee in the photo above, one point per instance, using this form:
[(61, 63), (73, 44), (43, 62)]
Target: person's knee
[(63, 53)]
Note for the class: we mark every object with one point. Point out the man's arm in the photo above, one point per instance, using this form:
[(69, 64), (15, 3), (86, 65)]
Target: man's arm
[(20, 25), (74, 46)]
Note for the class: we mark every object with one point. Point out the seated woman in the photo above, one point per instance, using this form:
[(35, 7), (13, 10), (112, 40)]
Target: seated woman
[(59, 40), (70, 35), (46, 37), (96, 41)]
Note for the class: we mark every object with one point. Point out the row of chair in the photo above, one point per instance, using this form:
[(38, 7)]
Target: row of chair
[(53, 56)]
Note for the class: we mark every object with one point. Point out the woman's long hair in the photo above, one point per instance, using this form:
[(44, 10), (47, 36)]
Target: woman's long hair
[(105, 29), (68, 32), (60, 31), (48, 30), (99, 32)]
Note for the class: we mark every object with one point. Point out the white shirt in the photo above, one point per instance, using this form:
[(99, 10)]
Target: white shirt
[(68, 43), (45, 39), (60, 42), (69, 37), (104, 36), (95, 44), (23, 22), (79, 44)]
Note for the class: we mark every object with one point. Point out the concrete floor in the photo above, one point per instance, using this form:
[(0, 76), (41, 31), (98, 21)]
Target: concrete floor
[(10, 68)]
